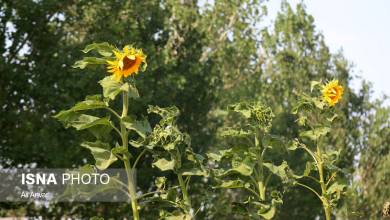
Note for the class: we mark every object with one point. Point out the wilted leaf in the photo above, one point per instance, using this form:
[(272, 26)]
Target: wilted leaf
[(168, 114)]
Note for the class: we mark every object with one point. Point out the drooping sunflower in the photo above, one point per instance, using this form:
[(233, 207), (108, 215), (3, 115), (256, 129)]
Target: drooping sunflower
[(127, 62), (332, 92)]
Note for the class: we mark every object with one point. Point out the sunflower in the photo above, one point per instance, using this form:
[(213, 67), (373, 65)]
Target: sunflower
[(332, 92), (127, 62)]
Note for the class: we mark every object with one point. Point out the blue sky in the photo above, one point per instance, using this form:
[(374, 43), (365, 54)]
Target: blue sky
[(361, 29)]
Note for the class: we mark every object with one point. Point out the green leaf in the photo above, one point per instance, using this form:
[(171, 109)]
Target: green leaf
[(96, 218), (232, 184), (268, 214), (261, 187), (91, 102), (164, 165), (179, 217), (280, 170), (88, 121), (119, 150), (308, 169), (293, 145), (136, 143), (133, 91), (244, 167), (336, 189), (88, 104), (101, 132), (333, 117), (315, 133), (81, 121), (141, 127), (302, 120), (193, 156), (89, 61), (214, 156), (302, 105), (160, 182), (236, 152), (260, 115), (319, 103), (112, 87), (230, 132), (168, 115), (104, 49), (193, 172), (314, 84), (242, 108), (102, 154), (86, 192), (67, 117)]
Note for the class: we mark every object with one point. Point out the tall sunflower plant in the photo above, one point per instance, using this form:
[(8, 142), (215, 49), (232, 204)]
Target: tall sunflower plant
[(316, 115), (126, 138), (243, 164)]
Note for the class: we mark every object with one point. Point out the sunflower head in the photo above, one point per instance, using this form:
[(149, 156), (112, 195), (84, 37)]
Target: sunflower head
[(332, 92), (386, 209), (127, 62)]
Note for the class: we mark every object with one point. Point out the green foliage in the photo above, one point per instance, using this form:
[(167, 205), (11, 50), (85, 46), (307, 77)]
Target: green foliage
[(169, 147), (367, 196), (201, 59), (171, 150), (317, 125), (102, 153), (247, 169)]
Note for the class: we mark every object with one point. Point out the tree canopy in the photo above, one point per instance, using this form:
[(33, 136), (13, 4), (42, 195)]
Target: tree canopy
[(202, 57)]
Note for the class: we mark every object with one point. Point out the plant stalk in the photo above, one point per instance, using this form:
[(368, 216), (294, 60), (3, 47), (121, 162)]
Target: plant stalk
[(185, 193), (129, 171), (324, 199), (132, 188)]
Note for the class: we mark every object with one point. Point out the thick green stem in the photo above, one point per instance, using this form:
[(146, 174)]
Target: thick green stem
[(325, 203), (131, 186), (185, 193)]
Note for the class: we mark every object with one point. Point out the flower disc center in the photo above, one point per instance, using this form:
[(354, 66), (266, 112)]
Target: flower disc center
[(127, 63)]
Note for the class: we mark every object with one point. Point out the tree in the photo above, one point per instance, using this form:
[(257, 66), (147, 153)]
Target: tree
[(202, 57)]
